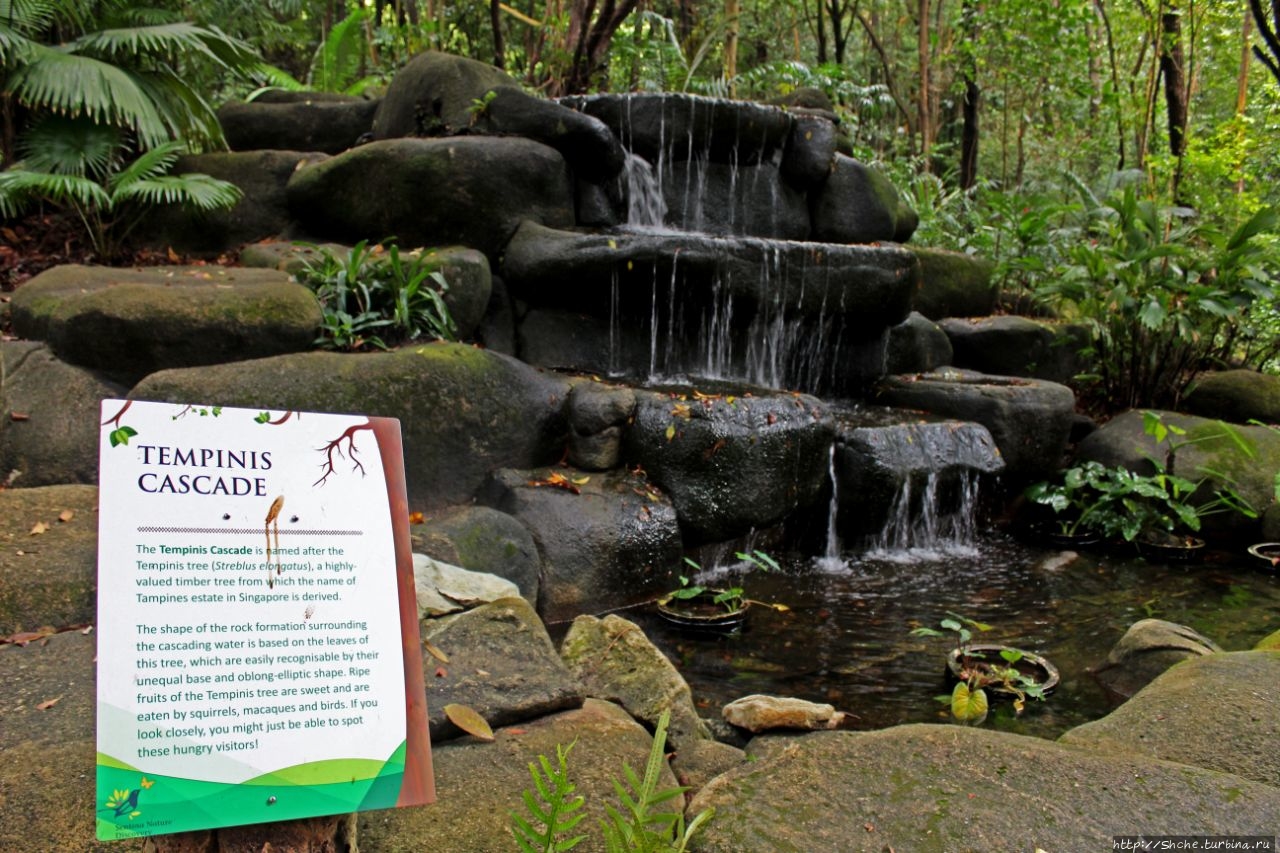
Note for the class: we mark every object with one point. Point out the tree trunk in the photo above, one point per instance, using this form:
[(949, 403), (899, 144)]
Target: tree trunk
[(1270, 33), (1100, 5), (1242, 85), (972, 96), (822, 34), (730, 42), (499, 43), (924, 107), (1174, 70)]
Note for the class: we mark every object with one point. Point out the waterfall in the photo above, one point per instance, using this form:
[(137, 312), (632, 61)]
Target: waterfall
[(929, 524), (831, 559), (645, 205)]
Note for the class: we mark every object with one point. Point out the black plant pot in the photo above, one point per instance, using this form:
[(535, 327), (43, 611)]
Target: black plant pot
[(702, 613), (1269, 551), (1167, 548), (1041, 671)]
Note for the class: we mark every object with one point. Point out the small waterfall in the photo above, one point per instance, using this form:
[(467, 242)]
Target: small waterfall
[(926, 524), (831, 559), (645, 206)]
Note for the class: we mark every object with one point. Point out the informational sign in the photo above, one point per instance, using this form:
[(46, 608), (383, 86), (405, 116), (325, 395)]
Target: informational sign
[(258, 654)]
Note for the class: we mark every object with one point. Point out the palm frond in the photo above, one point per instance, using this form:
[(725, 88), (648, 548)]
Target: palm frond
[(19, 186), (70, 146), (14, 46), (165, 42), (184, 111), (74, 85), (29, 17), (145, 16), (337, 62), (198, 191), (149, 164), (274, 78)]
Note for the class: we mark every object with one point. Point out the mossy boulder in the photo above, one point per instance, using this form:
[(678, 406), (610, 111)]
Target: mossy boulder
[(1237, 396), (1006, 345), (48, 579), (473, 191), (482, 539), (436, 94), (48, 417), (463, 411), (858, 204), (126, 323), (300, 125), (953, 284)]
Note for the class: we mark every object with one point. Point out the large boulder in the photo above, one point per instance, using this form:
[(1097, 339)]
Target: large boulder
[(463, 411), (1208, 451), (127, 323), (616, 661), (436, 94), (261, 212), (917, 345), (858, 204), (1236, 396), (598, 416), (478, 784), (811, 149), (49, 579), (1029, 419), (1218, 711), (1146, 650), (473, 191), (299, 125), (731, 464), (606, 540), (48, 417), (591, 149), (501, 664), (1006, 345), (483, 540), (944, 788), (953, 284)]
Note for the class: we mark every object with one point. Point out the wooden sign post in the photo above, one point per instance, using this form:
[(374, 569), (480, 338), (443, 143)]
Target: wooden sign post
[(258, 652)]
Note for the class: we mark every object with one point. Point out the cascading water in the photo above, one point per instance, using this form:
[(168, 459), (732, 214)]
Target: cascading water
[(831, 559), (646, 208), (925, 526)]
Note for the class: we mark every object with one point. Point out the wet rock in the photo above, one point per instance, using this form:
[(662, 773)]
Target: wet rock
[(1017, 346), (127, 323), (1146, 650), (442, 588), (725, 199), (463, 411), (1028, 418), (49, 415), (917, 345), (598, 414), (300, 125), (731, 466), (758, 713), (483, 540), (699, 761), (607, 540), (1208, 448), (591, 149), (953, 284), (50, 579), (261, 212), (497, 330), (387, 188), (811, 149), (569, 340), (616, 661), (858, 204), (478, 784), (1236, 396), (502, 665), (1217, 711), (435, 94), (930, 787)]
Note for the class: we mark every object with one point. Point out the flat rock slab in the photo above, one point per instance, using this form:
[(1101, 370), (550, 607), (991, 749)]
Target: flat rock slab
[(47, 775), (128, 323), (48, 417), (1219, 711), (47, 579), (463, 411), (502, 665), (946, 788), (478, 785), (483, 540)]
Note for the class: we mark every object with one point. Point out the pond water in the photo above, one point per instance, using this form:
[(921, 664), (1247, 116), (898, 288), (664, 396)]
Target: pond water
[(846, 639)]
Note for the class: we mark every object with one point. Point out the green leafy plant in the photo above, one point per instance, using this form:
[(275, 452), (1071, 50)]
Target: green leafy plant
[(1083, 500), (378, 296), (637, 825), (85, 168), (732, 599), (968, 700)]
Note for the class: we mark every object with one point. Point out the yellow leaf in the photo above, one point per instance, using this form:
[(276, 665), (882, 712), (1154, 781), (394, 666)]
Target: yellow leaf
[(435, 652), (48, 703), (40, 527), (469, 721), (671, 433), (66, 515), (581, 481)]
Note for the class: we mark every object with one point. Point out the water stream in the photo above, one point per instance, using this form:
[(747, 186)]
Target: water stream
[(846, 639)]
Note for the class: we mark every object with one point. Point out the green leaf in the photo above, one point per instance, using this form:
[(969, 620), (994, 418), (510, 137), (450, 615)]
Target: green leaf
[(968, 706), (121, 436)]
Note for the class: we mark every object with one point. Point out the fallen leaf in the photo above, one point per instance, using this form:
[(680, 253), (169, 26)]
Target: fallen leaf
[(19, 416), (435, 652), (581, 481), (557, 480), (482, 672), (48, 703), (416, 518), (66, 515), (517, 731), (21, 638), (469, 721), (671, 431), (38, 528), (173, 256)]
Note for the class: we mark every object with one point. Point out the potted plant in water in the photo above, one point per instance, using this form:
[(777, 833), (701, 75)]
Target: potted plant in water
[(979, 667), (1084, 502), (693, 605)]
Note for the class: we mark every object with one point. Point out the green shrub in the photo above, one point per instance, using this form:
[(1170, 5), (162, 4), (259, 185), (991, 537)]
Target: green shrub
[(377, 296)]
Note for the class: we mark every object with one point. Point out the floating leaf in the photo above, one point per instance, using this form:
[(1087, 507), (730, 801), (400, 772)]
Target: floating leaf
[(968, 706), (48, 703), (469, 721), (38, 528), (66, 515)]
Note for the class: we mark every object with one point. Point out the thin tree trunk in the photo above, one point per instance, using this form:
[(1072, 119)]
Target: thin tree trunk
[(889, 83), (499, 42), (1101, 6), (972, 96), (731, 13), (1173, 68), (924, 121), (1270, 33), (1242, 84)]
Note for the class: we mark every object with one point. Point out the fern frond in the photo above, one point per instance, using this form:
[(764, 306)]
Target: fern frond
[(68, 146), (19, 186), (197, 191), (556, 808), (338, 59), (165, 42)]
